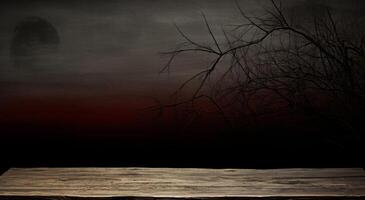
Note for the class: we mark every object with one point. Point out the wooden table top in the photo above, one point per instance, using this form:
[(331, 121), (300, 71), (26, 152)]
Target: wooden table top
[(94, 183)]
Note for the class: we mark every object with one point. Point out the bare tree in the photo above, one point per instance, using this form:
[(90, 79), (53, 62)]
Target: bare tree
[(271, 64)]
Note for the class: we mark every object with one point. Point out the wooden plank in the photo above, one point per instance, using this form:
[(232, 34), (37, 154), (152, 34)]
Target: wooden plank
[(39, 183)]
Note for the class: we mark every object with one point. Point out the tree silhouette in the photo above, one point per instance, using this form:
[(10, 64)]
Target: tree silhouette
[(272, 64)]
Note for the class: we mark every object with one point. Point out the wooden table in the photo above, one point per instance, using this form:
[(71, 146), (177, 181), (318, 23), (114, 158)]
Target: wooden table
[(176, 183)]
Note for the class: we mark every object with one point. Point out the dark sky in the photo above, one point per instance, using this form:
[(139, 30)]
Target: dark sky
[(109, 52), (112, 45)]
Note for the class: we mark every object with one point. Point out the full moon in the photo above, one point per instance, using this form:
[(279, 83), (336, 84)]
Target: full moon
[(34, 42)]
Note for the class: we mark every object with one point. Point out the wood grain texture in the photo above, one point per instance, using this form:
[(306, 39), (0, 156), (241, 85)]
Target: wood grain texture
[(137, 183)]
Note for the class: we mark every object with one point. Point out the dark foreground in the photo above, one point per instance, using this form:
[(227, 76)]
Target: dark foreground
[(275, 147)]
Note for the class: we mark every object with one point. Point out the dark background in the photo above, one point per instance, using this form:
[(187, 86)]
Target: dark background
[(261, 147), (82, 105)]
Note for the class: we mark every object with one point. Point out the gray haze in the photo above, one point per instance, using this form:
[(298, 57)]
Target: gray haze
[(112, 47)]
